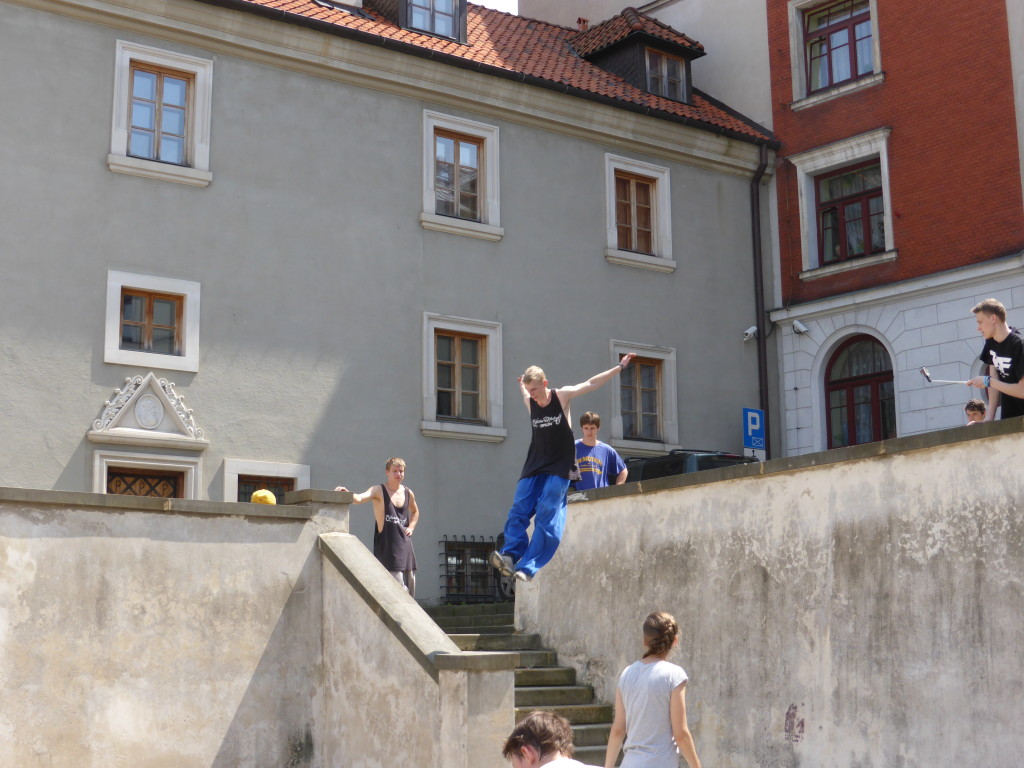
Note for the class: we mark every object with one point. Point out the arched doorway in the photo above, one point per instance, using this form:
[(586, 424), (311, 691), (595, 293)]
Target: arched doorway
[(859, 392)]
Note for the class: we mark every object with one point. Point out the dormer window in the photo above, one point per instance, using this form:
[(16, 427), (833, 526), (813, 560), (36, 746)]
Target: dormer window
[(666, 75), (437, 17)]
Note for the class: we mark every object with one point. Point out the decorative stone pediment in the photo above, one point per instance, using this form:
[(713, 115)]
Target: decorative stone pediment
[(147, 411)]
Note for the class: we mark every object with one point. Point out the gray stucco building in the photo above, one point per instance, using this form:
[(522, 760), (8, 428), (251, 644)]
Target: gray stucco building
[(237, 245)]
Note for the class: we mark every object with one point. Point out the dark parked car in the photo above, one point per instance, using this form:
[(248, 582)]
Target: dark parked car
[(680, 462)]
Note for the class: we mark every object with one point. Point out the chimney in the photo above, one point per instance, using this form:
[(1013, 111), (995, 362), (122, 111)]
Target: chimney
[(582, 24)]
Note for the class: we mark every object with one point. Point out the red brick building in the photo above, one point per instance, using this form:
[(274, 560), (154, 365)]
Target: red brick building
[(899, 202)]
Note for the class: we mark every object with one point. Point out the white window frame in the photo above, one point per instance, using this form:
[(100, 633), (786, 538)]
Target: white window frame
[(191, 467), (235, 467), (661, 261), (798, 58), (669, 400), (201, 70), (187, 289), (494, 430), (815, 162), (489, 227)]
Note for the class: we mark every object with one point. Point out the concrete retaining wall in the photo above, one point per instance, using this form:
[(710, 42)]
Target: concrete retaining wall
[(398, 691), (157, 633), (856, 608), (190, 634)]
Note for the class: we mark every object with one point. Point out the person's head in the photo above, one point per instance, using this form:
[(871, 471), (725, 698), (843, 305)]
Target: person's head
[(975, 410), (538, 735), (590, 422), (263, 496), (661, 633), (395, 468), (535, 381), (990, 315)]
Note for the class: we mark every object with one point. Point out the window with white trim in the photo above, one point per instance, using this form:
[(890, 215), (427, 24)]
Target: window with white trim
[(462, 384), (161, 120), (237, 472), (460, 177), (833, 49), (644, 409), (151, 322), (639, 220), (845, 206), (140, 474)]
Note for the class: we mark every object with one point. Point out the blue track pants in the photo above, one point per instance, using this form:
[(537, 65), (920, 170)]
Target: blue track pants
[(541, 497)]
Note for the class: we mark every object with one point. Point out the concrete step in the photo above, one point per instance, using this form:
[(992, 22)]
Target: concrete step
[(482, 642), (535, 659), (469, 609), (449, 623), (577, 714), (545, 676), (545, 696), (473, 629), (593, 735), (590, 755)]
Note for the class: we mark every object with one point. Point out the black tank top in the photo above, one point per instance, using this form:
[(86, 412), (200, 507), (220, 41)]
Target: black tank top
[(552, 448), (391, 546)]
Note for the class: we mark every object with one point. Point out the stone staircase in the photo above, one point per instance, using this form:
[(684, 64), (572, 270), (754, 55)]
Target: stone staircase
[(540, 682)]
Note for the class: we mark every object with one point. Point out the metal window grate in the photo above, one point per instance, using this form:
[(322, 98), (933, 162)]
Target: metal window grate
[(466, 576)]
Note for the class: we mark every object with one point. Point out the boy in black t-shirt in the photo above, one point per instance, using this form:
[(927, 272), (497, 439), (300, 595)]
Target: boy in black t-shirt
[(1003, 353)]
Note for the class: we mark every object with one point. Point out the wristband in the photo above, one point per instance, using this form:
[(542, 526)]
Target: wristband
[(622, 365), (988, 382)]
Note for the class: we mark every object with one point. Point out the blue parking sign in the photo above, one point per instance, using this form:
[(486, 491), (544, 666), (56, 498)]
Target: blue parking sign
[(753, 428)]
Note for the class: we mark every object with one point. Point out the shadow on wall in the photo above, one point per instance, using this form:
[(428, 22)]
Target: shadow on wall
[(274, 723)]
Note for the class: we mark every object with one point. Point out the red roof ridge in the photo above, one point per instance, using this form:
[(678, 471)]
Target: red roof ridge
[(527, 50)]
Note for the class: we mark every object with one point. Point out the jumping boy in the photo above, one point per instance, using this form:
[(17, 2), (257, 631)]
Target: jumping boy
[(542, 487)]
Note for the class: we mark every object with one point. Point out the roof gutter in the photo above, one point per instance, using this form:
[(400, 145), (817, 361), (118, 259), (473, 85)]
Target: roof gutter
[(457, 61)]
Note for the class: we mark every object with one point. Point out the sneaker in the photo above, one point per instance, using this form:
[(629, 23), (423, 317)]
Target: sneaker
[(502, 563), (523, 576)]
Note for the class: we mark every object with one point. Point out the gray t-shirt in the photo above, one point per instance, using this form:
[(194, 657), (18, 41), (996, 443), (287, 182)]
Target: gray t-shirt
[(646, 689)]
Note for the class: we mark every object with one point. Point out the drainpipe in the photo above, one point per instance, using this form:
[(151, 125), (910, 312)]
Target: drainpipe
[(762, 331)]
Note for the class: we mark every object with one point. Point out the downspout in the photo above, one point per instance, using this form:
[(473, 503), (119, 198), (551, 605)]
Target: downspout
[(762, 331)]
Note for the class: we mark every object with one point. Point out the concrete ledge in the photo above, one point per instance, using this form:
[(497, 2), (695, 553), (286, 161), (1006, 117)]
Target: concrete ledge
[(118, 503), (318, 496), (880, 449), (478, 661)]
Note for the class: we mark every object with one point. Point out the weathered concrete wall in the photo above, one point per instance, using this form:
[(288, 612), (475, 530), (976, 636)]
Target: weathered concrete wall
[(133, 633), (182, 634), (863, 613)]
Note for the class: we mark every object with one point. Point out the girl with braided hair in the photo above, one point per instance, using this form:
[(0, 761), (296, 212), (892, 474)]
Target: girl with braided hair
[(650, 705)]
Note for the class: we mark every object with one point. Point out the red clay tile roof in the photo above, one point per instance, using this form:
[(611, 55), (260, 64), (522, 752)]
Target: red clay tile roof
[(528, 50), (630, 21)]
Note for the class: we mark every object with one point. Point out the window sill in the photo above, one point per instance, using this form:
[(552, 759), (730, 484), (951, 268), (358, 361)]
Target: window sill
[(642, 447), (837, 91), (847, 266), (150, 169), (119, 356), (454, 226), (461, 431), (639, 260)]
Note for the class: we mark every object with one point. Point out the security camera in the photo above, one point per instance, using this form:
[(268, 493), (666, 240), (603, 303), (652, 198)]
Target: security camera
[(750, 333), (799, 327)]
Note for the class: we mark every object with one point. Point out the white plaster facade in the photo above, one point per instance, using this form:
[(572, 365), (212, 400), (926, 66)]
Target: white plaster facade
[(921, 323)]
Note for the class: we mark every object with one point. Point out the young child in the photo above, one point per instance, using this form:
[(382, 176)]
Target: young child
[(975, 410)]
